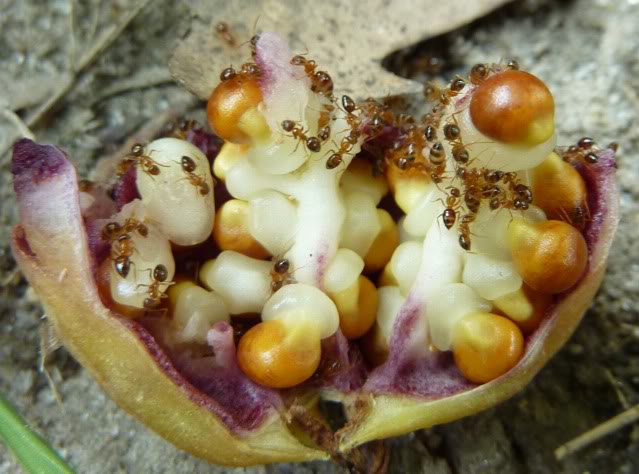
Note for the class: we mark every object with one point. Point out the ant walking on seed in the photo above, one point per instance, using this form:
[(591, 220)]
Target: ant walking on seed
[(189, 166), (158, 276), (138, 157), (122, 247)]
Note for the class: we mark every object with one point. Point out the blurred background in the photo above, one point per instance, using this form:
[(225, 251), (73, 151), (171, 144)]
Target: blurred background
[(89, 74)]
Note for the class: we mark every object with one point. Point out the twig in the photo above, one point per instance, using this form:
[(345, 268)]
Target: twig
[(88, 58), (607, 427), (73, 46), (615, 385), (146, 78), (12, 117), (23, 130)]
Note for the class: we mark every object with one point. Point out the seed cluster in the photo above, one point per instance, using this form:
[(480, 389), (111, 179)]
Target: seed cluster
[(418, 149)]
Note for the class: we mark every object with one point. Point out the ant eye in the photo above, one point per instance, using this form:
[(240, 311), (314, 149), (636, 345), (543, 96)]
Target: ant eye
[(160, 273), (281, 266)]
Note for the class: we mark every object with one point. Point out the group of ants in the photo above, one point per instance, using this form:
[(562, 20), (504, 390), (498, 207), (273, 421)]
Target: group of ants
[(390, 139)]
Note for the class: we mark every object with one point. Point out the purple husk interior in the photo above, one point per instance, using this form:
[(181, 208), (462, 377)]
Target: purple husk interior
[(125, 189)]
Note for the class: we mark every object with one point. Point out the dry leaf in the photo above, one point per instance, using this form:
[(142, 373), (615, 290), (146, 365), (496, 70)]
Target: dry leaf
[(348, 39)]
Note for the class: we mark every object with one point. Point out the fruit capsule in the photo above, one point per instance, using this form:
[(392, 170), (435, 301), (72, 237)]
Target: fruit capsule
[(514, 107)]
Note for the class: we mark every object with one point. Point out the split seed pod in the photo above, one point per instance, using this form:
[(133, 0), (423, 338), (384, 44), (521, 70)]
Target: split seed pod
[(209, 407)]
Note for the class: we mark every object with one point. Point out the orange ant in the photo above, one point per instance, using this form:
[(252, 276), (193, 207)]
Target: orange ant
[(449, 216), (280, 274), (122, 246), (121, 251), (189, 166), (479, 73), (137, 157), (309, 65), (85, 185), (585, 150), (112, 230), (464, 230), (223, 30), (346, 145), (312, 143), (158, 276), (182, 129)]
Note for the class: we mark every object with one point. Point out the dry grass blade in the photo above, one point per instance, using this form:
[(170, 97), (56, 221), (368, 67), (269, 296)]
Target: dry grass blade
[(607, 427)]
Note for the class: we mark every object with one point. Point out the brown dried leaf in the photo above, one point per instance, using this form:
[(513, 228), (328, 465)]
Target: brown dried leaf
[(349, 39)]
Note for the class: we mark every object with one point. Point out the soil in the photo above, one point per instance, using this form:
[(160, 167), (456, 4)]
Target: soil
[(584, 49)]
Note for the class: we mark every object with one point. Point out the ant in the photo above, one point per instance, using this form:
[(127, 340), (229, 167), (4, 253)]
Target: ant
[(312, 143), (280, 274), (158, 276), (112, 230), (464, 230), (189, 166), (122, 246), (479, 73), (183, 129), (250, 69), (309, 65), (449, 216), (121, 251), (322, 83), (223, 30), (345, 146), (137, 157)]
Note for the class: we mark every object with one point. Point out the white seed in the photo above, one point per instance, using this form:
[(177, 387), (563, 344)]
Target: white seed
[(303, 303), (404, 235), (425, 211), (180, 202), (343, 271), (148, 253), (390, 302), (489, 232), (359, 178), (243, 282), (405, 264), (273, 221), (450, 305), (361, 225), (490, 277), (196, 311)]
